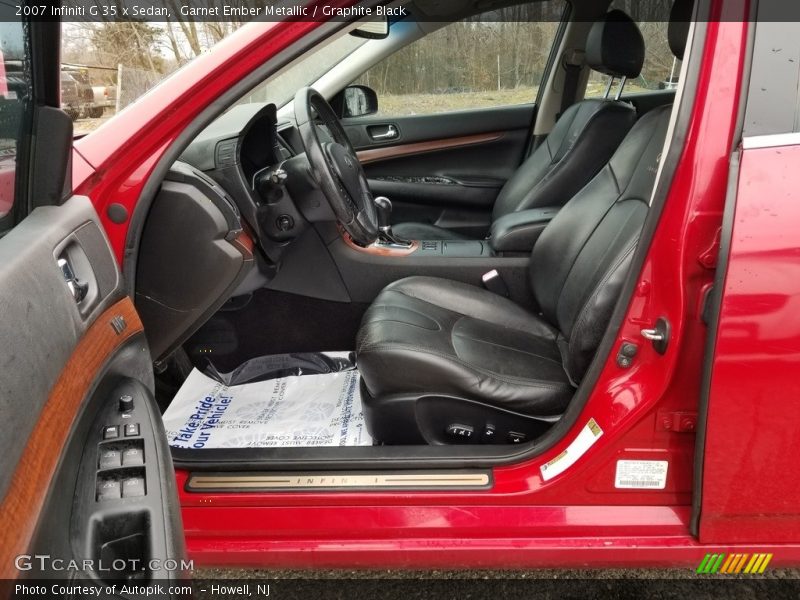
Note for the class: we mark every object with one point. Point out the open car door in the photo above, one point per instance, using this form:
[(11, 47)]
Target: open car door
[(87, 485)]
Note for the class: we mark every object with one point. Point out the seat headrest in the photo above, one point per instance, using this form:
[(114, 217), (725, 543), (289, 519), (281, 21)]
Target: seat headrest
[(679, 20), (615, 46)]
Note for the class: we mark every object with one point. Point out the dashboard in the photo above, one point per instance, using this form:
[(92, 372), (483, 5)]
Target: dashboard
[(260, 163), (249, 135)]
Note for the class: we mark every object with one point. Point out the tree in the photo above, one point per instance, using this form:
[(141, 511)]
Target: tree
[(133, 43)]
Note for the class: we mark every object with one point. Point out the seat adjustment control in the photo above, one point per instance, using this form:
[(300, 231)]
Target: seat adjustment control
[(515, 437), (460, 431)]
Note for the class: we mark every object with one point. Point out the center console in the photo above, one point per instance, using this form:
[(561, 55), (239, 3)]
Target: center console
[(327, 264)]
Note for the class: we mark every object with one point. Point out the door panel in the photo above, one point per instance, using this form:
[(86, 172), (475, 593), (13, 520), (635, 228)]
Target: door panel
[(443, 168), (34, 292), (65, 360), (74, 361), (750, 491)]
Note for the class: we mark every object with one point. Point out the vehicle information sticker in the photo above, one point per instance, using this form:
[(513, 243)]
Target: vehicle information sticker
[(641, 474), (590, 433)]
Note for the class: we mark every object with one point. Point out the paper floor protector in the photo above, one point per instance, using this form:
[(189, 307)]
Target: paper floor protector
[(296, 411)]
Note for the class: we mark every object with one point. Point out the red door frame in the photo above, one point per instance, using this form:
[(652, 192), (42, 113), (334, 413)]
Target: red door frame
[(577, 518)]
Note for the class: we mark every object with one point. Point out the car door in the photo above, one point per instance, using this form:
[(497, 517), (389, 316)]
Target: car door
[(455, 112), (747, 489), (86, 484)]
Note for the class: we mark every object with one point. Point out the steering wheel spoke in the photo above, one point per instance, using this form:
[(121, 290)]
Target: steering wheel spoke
[(340, 175)]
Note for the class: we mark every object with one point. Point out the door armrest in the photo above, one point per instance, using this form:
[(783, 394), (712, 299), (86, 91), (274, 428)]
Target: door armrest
[(518, 232)]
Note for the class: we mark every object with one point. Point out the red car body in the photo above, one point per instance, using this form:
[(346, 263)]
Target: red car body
[(744, 499)]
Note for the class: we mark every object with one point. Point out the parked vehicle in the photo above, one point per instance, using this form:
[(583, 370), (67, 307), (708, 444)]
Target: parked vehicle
[(105, 96), (71, 101), (85, 106), (579, 352)]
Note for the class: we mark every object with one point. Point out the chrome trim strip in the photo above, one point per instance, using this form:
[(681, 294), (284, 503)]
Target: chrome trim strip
[(771, 141)]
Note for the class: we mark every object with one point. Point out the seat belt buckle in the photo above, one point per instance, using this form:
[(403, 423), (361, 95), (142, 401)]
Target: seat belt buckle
[(493, 282)]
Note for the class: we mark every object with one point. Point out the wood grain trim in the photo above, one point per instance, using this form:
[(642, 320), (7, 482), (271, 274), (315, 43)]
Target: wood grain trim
[(378, 250), (21, 508), (245, 243), (376, 154)]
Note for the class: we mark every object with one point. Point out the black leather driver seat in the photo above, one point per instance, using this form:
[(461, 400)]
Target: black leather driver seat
[(582, 140), (444, 361)]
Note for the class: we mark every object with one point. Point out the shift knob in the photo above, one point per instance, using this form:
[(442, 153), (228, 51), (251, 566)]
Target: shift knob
[(383, 207)]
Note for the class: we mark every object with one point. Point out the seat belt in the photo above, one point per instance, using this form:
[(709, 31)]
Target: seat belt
[(573, 65)]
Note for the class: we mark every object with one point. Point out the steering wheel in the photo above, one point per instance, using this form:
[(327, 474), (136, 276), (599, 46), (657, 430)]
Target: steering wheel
[(335, 166)]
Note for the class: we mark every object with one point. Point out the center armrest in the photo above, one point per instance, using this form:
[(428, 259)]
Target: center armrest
[(518, 232)]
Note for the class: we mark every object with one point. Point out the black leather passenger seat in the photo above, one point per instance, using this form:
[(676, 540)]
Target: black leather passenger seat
[(582, 140), (443, 361), (426, 338)]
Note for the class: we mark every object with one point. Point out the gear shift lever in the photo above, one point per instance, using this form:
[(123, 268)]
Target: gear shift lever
[(383, 207)]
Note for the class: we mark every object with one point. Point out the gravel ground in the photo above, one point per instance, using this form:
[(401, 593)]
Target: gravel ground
[(678, 584)]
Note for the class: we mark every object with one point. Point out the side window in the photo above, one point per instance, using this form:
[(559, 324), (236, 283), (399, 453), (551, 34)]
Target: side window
[(494, 59), (773, 99), (15, 106), (661, 69)]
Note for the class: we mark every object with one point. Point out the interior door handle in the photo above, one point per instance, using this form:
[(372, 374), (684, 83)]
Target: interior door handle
[(77, 288), (389, 134)]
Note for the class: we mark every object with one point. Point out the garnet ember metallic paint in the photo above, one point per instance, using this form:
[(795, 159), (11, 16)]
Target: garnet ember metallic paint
[(750, 491), (577, 518)]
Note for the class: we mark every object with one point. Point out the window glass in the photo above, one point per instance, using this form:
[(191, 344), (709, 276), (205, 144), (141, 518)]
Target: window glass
[(773, 99), (107, 65), (15, 102), (661, 68), (494, 59), (282, 88)]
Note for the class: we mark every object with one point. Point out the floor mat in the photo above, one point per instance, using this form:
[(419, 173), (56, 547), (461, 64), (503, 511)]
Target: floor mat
[(294, 411)]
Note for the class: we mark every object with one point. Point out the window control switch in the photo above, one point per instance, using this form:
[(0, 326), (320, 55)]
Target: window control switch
[(132, 457), (133, 487), (110, 458), (108, 489)]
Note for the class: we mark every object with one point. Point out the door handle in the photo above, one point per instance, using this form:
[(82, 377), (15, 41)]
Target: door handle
[(389, 134), (77, 288)]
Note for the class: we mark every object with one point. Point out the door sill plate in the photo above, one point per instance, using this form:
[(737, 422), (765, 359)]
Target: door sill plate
[(339, 481)]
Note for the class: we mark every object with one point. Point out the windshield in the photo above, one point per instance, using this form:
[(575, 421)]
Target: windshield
[(112, 63), (282, 88)]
